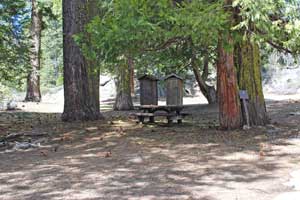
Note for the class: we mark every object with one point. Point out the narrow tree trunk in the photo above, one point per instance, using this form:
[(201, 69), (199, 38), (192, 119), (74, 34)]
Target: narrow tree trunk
[(33, 79), (123, 98), (205, 66), (208, 91), (131, 67), (249, 79), (229, 103), (81, 76)]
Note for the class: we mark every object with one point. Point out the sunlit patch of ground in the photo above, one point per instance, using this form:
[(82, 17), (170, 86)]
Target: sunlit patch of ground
[(56, 106)]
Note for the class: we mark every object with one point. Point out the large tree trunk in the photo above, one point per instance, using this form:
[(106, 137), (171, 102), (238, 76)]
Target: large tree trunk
[(123, 98), (81, 76), (208, 91), (33, 79), (249, 79), (229, 103), (230, 115)]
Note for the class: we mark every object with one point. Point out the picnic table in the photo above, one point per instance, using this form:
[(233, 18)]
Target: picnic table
[(171, 112)]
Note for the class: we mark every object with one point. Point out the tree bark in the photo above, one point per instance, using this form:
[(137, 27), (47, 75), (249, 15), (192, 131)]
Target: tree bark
[(247, 56), (131, 67), (229, 103), (33, 92), (123, 98), (81, 76), (230, 115)]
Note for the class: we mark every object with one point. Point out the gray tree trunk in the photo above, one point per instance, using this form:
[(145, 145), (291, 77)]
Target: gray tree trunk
[(123, 98), (250, 79), (131, 65), (33, 79)]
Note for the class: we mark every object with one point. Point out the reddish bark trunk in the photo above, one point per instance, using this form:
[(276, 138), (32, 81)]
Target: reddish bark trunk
[(229, 103)]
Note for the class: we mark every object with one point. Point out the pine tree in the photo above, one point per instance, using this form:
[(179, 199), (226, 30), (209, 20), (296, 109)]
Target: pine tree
[(81, 75), (33, 79)]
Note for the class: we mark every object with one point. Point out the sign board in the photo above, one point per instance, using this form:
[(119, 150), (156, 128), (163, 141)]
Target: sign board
[(244, 95)]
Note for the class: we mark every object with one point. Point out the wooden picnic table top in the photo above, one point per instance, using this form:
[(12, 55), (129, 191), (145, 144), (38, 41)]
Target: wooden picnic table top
[(170, 111), (169, 108), (160, 106)]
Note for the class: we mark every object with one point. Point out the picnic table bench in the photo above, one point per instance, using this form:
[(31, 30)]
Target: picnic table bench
[(169, 111)]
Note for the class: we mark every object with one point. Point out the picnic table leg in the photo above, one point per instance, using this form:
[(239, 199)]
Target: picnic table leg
[(169, 120), (141, 119), (178, 116), (151, 119)]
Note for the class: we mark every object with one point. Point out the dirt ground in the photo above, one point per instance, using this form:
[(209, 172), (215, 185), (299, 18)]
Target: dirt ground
[(119, 159)]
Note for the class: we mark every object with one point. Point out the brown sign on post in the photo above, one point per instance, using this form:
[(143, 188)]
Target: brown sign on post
[(244, 97)]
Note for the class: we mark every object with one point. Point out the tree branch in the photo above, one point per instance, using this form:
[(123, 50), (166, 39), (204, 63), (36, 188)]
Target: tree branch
[(279, 47), (165, 45), (274, 44)]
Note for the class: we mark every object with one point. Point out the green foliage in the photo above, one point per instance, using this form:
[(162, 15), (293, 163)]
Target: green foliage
[(155, 34), (13, 41), (5, 93), (161, 36), (276, 22), (52, 48)]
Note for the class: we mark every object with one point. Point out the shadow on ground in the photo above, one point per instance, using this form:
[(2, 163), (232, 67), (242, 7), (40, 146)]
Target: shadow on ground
[(119, 159)]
